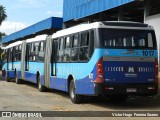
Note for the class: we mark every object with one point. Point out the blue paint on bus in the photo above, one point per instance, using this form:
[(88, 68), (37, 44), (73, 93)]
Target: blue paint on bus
[(106, 60), (81, 71)]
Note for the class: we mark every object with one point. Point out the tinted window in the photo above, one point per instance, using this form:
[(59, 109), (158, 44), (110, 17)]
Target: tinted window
[(41, 51), (61, 43), (84, 47), (85, 39), (41, 46), (75, 48), (36, 47), (91, 43), (17, 53), (67, 49), (31, 51), (75, 41), (121, 38), (67, 42), (60, 52), (34, 51), (10, 54)]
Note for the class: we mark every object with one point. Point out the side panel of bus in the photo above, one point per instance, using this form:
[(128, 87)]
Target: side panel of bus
[(74, 62), (13, 65), (34, 61)]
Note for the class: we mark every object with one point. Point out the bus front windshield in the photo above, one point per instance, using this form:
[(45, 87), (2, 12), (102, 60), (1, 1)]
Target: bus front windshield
[(127, 38)]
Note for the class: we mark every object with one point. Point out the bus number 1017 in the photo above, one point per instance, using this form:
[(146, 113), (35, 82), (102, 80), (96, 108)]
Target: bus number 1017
[(148, 53)]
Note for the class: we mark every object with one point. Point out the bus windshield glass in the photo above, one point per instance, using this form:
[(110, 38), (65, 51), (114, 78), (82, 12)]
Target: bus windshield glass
[(127, 38)]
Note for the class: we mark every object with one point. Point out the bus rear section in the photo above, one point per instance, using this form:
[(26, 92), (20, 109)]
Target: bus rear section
[(130, 75), (129, 62)]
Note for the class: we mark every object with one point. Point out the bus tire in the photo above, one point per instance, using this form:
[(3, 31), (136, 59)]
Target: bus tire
[(40, 87), (6, 77), (73, 96), (18, 81)]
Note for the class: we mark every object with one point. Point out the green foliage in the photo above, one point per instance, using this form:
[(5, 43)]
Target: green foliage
[(1, 35), (3, 14), (3, 17)]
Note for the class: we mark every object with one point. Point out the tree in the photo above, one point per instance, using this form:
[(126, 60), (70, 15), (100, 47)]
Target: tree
[(3, 17), (3, 14), (1, 35)]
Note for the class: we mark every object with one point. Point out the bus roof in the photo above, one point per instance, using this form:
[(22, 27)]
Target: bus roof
[(104, 24), (35, 39), (75, 29), (13, 44)]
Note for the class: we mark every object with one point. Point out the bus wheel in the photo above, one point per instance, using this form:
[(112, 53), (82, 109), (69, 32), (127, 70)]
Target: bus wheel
[(18, 81), (40, 87), (6, 77), (73, 96), (118, 98)]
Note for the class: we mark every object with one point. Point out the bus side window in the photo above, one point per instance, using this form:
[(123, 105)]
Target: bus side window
[(35, 58), (55, 48), (8, 54), (34, 51), (31, 51), (16, 53), (19, 52), (41, 51), (91, 44), (60, 50), (84, 47), (67, 49), (31, 46), (75, 47), (11, 54)]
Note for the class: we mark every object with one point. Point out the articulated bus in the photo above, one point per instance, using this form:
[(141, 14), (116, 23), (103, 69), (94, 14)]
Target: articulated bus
[(114, 59)]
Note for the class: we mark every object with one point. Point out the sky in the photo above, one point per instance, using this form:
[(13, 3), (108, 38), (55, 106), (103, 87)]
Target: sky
[(23, 13)]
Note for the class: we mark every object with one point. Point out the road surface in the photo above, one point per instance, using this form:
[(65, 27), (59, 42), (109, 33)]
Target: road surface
[(26, 97)]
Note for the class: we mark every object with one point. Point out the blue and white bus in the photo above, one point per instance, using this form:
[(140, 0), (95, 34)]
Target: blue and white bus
[(114, 59)]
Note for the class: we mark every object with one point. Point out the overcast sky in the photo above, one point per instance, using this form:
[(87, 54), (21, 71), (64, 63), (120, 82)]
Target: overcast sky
[(23, 13)]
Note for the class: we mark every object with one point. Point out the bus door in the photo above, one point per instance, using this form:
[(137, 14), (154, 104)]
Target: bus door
[(8, 58), (10, 63), (54, 57), (47, 61), (12, 58), (27, 57)]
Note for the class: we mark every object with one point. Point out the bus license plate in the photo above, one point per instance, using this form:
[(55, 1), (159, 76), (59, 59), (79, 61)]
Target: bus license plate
[(131, 90)]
